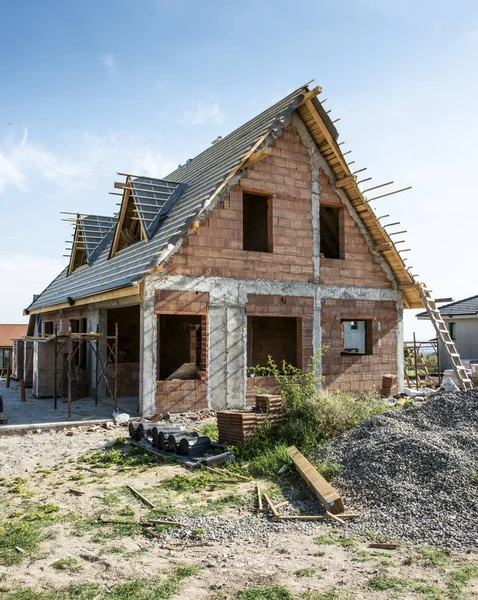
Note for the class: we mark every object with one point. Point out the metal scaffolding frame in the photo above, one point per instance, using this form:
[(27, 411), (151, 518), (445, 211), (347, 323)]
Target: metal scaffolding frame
[(67, 346)]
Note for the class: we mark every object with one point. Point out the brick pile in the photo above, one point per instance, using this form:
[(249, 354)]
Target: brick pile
[(237, 427), (389, 386)]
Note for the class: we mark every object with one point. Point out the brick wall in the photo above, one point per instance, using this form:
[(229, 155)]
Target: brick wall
[(358, 266), (215, 249), (64, 316), (185, 303), (359, 373), (181, 396)]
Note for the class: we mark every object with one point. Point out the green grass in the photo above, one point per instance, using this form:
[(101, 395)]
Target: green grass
[(210, 430), (323, 540), (27, 532), (334, 594), (122, 456), (435, 556), (381, 582), (273, 592), (138, 589), (305, 572), (70, 565), (347, 543), (474, 476)]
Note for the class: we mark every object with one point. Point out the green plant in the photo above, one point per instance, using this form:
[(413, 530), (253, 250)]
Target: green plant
[(210, 430), (273, 592), (305, 572), (436, 557), (382, 581), (66, 564), (311, 415)]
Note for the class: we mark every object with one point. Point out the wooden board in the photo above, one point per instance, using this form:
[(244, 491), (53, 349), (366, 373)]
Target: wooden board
[(328, 496)]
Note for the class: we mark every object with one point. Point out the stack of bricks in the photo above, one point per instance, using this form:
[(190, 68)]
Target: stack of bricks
[(238, 427), (270, 405), (389, 386)]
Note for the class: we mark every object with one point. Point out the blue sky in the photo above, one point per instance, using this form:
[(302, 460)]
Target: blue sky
[(89, 88)]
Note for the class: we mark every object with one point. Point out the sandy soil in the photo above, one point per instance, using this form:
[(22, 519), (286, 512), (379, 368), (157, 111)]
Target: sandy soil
[(49, 463)]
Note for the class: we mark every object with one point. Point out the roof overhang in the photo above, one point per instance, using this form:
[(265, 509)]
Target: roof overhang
[(320, 127), (130, 290)]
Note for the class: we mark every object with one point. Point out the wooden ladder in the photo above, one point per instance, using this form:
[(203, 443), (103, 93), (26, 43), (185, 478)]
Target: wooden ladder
[(444, 335)]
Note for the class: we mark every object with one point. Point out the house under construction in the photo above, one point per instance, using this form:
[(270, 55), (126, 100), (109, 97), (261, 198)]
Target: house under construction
[(262, 245)]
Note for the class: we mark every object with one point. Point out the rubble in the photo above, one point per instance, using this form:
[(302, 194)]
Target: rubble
[(413, 472)]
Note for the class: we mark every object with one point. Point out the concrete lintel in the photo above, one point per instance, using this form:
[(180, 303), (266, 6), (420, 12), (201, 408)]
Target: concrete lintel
[(233, 292)]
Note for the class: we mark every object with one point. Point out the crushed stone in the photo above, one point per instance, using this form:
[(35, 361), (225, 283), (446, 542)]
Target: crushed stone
[(413, 473)]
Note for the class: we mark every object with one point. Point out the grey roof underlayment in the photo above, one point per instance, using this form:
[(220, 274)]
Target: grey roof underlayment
[(190, 186), (466, 307)]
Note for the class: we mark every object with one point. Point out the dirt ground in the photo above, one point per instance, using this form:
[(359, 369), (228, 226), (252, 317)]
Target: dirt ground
[(61, 484)]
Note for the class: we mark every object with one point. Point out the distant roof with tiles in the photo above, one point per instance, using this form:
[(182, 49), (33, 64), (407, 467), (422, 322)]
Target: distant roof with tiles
[(11, 332), (468, 306)]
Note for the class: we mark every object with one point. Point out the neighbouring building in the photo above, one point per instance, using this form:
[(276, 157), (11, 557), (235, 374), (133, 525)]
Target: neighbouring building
[(7, 334), (260, 245), (461, 319)]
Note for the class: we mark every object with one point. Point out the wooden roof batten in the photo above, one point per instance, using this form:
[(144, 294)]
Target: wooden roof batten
[(347, 182)]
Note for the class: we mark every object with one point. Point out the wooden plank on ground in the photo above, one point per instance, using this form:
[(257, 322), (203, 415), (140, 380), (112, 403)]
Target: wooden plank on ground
[(329, 497)]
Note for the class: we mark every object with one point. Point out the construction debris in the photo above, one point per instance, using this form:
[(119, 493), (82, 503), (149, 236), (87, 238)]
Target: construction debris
[(414, 472)]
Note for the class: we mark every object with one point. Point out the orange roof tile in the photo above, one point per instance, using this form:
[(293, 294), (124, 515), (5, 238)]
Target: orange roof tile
[(9, 332)]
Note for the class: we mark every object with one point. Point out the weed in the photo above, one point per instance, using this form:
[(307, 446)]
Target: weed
[(474, 476), (319, 554), (26, 533), (347, 543), (305, 572), (311, 415), (334, 594), (127, 511), (125, 457), (182, 483), (322, 540), (77, 477), (434, 556), (273, 592), (459, 579), (138, 589), (382, 581), (210, 430), (66, 564)]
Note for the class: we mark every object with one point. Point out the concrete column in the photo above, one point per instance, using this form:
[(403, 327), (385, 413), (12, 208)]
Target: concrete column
[(400, 340), (227, 352), (147, 354), (317, 331)]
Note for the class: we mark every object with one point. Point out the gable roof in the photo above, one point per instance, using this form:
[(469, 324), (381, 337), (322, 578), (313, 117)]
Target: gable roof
[(11, 332), (202, 179), (460, 308)]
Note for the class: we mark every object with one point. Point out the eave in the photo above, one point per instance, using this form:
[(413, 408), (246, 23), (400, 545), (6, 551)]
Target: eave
[(309, 111)]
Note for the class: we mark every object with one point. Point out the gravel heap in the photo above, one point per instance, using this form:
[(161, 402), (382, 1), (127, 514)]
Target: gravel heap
[(413, 473)]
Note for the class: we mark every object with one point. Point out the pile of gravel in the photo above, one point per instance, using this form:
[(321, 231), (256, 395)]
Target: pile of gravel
[(413, 473)]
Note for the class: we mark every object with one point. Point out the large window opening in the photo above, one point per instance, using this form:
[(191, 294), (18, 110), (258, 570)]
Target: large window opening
[(271, 336), (357, 337), (180, 346), (257, 223), (128, 320), (331, 245)]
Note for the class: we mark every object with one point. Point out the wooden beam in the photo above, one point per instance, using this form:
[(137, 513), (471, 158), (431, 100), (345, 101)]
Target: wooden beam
[(131, 290), (327, 135), (329, 497), (256, 157), (345, 181), (312, 94), (383, 247)]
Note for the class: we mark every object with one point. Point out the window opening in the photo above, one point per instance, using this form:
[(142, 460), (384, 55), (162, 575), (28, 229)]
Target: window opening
[(330, 232), (257, 223), (357, 337)]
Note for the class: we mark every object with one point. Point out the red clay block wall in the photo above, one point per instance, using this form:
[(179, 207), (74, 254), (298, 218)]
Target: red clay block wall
[(181, 396), (358, 373), (215, 249), (186, 303), (358, 266)]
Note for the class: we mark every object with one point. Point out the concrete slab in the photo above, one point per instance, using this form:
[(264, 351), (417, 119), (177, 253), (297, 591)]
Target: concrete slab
[(37, 411)]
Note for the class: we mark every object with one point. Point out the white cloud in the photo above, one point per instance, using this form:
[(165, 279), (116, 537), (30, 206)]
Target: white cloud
[(78, 164), (203, 113), (108, 60), (26, 275)]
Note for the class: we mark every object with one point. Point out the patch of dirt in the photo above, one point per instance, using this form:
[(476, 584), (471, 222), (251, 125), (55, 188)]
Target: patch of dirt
[(254, 552)]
